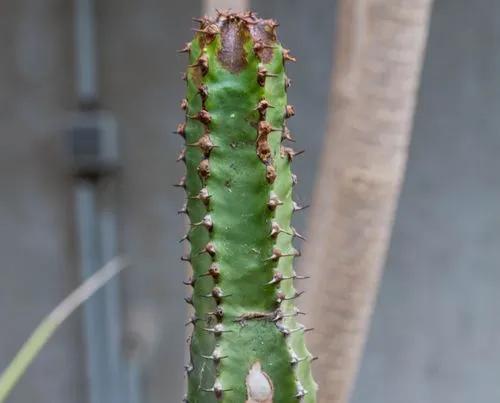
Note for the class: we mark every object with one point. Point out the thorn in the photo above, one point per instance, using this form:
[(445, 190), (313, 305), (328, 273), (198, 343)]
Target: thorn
[(262, 74), (287, 57), (203, 196), (314, 358), (301, 392), (203, 116), (202, 63), (297, 235), (286, 135), (276, 229), (186, 258), (295, 180), (216, 355), (296, 360), (277, 277), (217, 330), (184, 104), (184, 238), (216, 294), (182, 156), (213, 272), (289, 111), (290, 153), (186, 48), (189, 300), (264, 128), (183, 209), (275, 256), (280, 296), (217, 389), (262, 107), (297, 207), (204, 143), (181, 130), (209, 248), (218, 313), (181, 183), (260, 45), (192, 321), (189, 368), (210, 29), (190, 282), (184, 77), (288, 83), (274, 202), (204, 169), (308, 329)]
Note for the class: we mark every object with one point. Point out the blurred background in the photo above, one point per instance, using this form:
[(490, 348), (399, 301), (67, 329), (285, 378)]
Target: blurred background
[(435, 332)]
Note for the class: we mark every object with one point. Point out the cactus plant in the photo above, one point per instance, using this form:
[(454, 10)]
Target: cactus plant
[(246, 344)]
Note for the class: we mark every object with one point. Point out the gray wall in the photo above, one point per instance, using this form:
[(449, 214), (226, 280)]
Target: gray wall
[(434, 331)]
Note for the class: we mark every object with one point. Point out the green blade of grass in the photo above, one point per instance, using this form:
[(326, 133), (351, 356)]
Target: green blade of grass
[(30, 349)]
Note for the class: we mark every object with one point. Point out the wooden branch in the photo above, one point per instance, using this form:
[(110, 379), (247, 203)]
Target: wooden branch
[(380, 46)]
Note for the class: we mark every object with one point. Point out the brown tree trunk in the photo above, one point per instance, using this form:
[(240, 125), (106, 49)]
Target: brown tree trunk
[(378, 62)]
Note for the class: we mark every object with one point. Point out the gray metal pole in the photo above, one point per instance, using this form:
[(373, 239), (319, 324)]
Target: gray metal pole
[(85, 52), (112, 308), (87, 229)]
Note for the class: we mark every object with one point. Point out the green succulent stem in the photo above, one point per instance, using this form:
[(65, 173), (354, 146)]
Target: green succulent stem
[(247, 344)]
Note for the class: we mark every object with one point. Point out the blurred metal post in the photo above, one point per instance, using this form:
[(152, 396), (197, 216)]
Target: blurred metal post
[(94, 336), (95, 158), (210, 6), (380, 47)]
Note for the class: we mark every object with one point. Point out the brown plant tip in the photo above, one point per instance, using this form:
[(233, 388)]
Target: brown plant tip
[(184, 104), (288, 83), (289, 111), (204, 169)]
